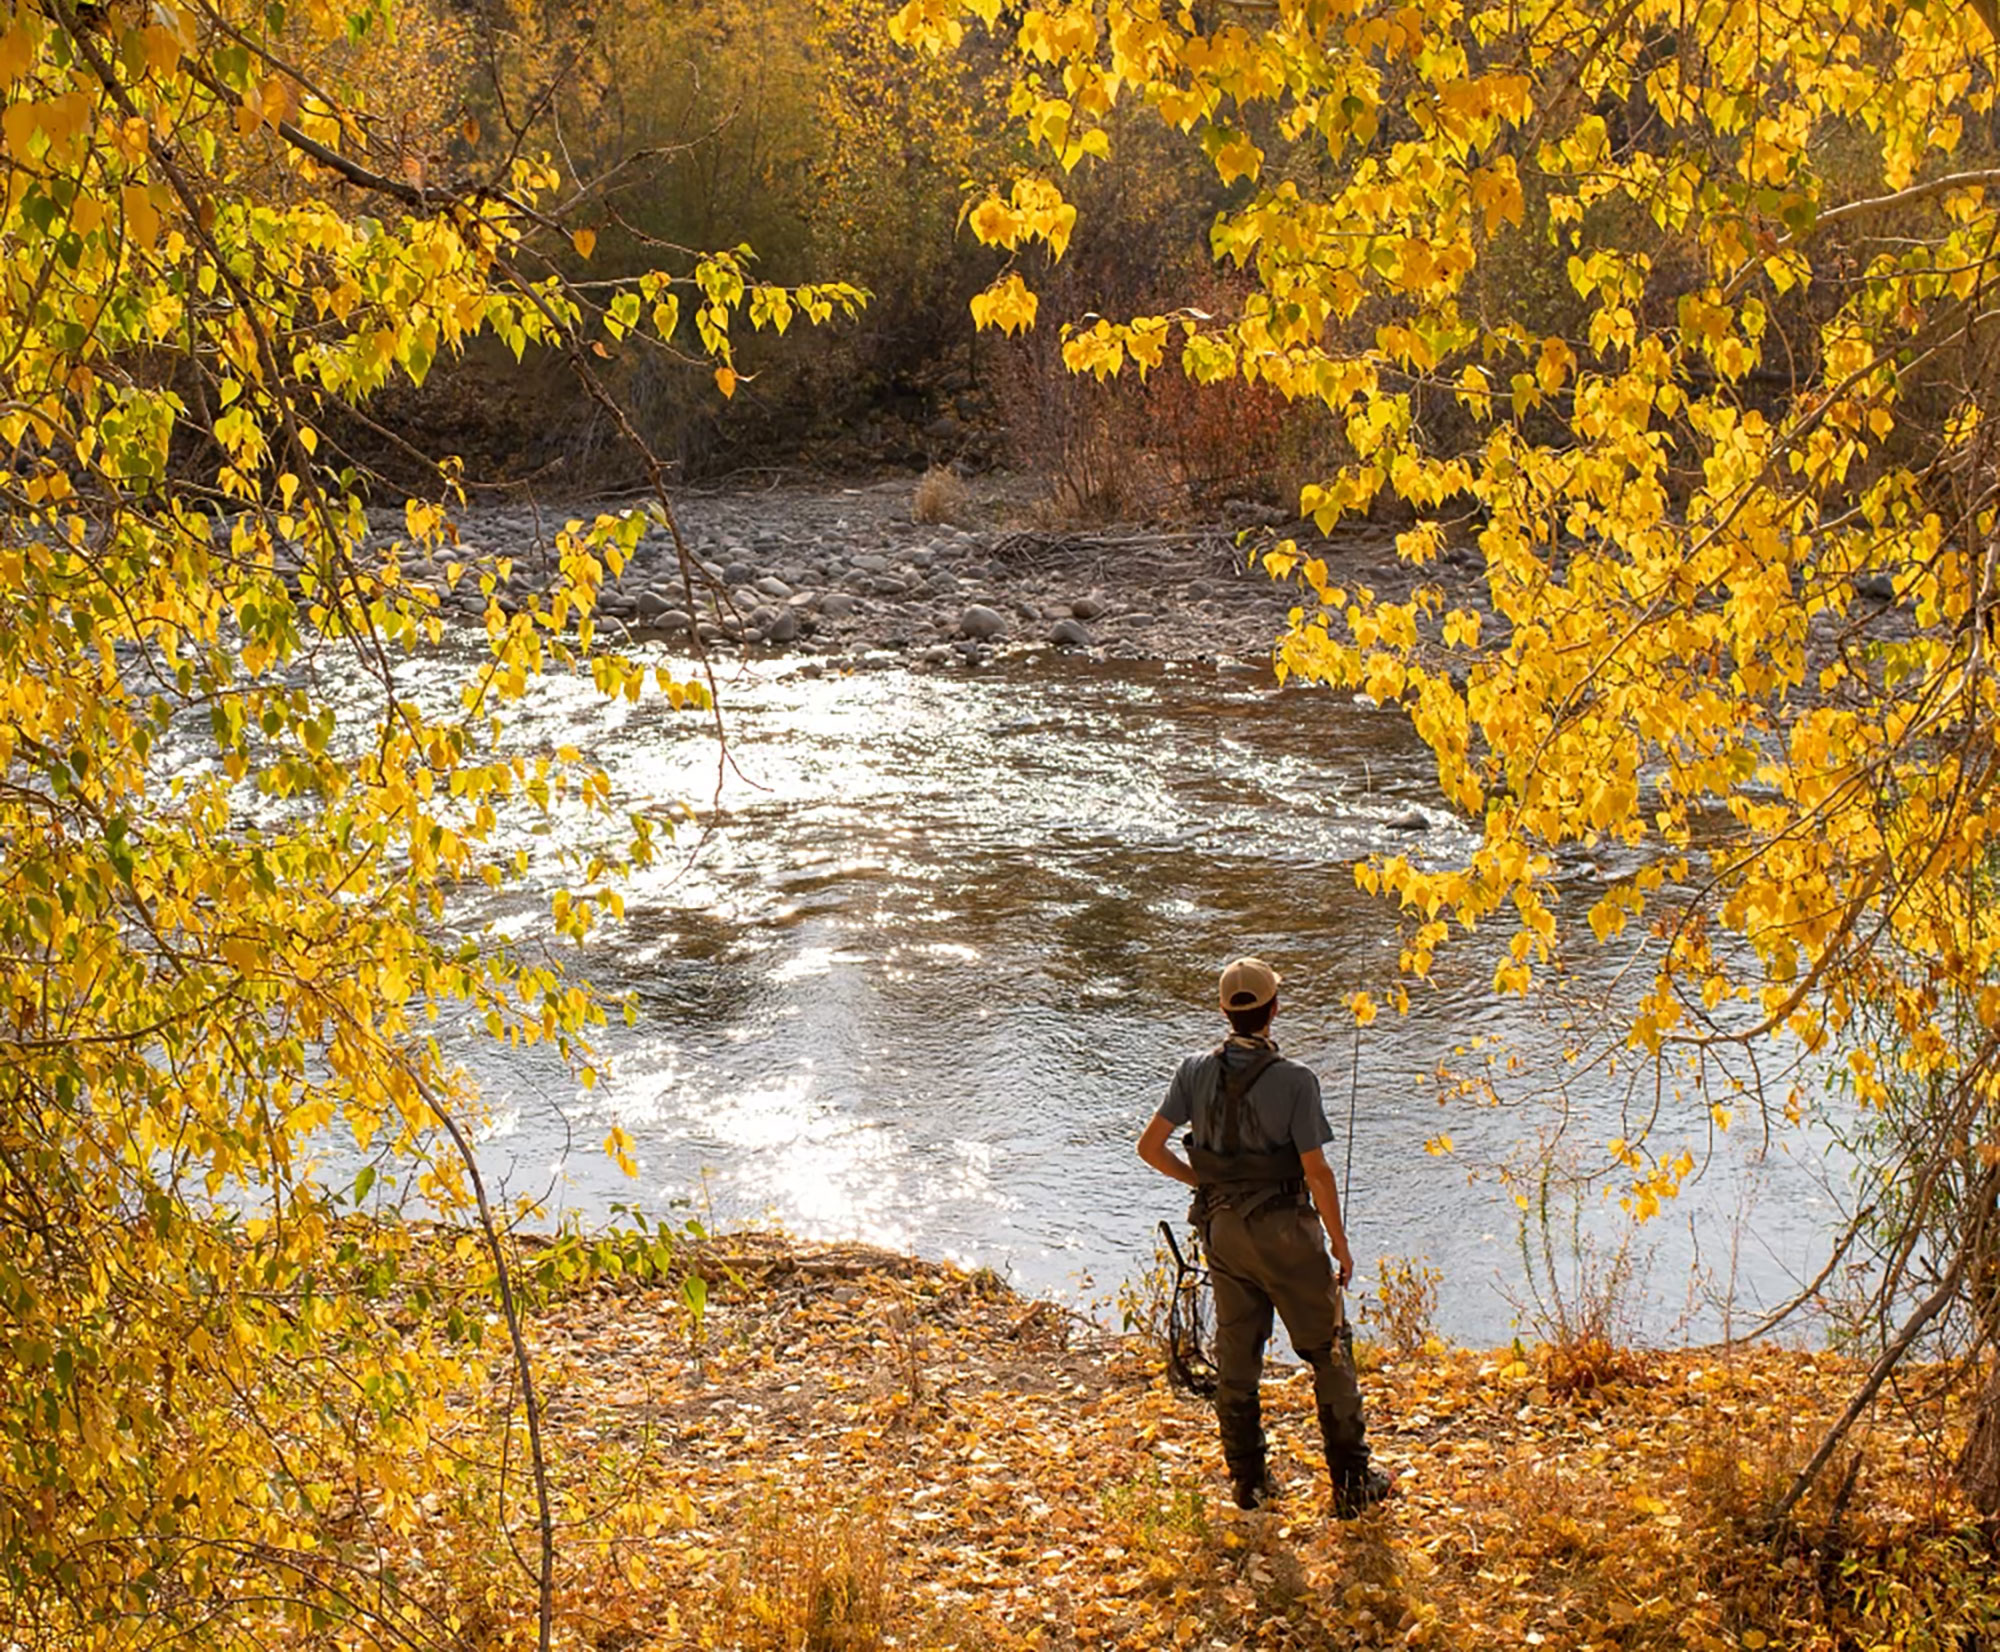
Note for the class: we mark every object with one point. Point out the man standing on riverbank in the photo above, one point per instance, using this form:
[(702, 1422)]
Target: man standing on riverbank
[(1257, 1162)]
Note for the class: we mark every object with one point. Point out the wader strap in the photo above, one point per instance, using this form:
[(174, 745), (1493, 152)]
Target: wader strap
[(1245, 1182), (1232, 1090)]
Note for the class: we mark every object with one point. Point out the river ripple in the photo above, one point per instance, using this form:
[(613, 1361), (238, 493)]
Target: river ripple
[(933, 959)]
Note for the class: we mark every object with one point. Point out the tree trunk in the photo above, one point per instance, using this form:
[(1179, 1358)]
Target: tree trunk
[(1979, 1465)]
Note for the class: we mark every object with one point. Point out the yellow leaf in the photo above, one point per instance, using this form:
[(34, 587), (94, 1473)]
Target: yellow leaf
[(1007, 304), (584, 240), (17, 52), (1238, 158), (18, 125), (275, 100), (142, 223), (993, 223)]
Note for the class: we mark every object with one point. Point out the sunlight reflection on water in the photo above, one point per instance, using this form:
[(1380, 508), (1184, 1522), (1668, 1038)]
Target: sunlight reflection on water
[(944, 940)]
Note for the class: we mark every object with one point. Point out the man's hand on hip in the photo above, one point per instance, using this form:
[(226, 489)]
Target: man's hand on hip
[(1155, 1151)]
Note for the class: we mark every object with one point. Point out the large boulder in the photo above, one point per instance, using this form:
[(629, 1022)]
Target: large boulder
[(981, 624)]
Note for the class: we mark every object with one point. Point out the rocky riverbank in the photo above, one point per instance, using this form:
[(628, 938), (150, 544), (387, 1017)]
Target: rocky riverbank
[(847, 571)]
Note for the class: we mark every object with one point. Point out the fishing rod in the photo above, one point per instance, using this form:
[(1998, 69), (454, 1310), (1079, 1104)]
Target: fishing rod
[(1353, 1100), (1341, 1328)]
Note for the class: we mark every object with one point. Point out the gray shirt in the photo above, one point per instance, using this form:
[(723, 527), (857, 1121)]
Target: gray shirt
[(1283, 1105)]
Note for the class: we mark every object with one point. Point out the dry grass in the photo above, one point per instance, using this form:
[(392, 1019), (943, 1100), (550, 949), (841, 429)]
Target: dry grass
[(940, 498), (1103, 480), (803, 1574)]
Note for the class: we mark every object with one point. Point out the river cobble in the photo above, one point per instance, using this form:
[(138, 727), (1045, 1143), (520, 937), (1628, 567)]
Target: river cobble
[(846, 571)]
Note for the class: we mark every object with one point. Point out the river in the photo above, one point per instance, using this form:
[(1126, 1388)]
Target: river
[(925, 969)]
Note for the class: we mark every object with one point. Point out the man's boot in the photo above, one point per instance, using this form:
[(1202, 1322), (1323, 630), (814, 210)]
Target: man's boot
[(1242, 1426), (1356, 1490), (1356, 1486)]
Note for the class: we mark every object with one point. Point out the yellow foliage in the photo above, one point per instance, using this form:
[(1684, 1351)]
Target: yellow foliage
[(1686, 485), (230, 840), (1007, 304)]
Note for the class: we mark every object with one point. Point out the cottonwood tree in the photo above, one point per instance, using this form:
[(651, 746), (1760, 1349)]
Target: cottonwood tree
[(1684, 312), (230, 839)]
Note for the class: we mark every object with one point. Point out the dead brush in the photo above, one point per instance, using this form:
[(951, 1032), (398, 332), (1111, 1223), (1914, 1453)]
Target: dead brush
[(1552, 1516), (1403, 1313), (1586, 1364), (808, 1574), (1604, 1542), (1738, 1466), (1580, 1291), (1143, 1301), (940, 497), (908, 1339), (1868, 1565)]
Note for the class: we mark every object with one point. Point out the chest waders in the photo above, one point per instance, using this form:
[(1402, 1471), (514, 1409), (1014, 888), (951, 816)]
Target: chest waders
[(1229, 1173)]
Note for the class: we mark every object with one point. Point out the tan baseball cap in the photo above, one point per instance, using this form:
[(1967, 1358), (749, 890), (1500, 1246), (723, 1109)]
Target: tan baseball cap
[(1248, 984)]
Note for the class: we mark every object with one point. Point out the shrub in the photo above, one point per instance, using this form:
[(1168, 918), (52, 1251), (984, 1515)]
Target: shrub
[(1404, 1310), (940, 497), (1579, 1287)]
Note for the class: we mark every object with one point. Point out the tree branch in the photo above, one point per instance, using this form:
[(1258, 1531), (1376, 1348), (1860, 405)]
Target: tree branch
[(1860, 209), (1891, 1356), (523, 1365)]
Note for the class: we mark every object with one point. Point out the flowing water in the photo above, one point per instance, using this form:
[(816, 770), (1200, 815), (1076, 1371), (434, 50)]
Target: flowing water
[(929, 968)]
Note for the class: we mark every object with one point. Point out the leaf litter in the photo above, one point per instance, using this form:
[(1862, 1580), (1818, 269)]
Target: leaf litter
[(854, 1449)]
